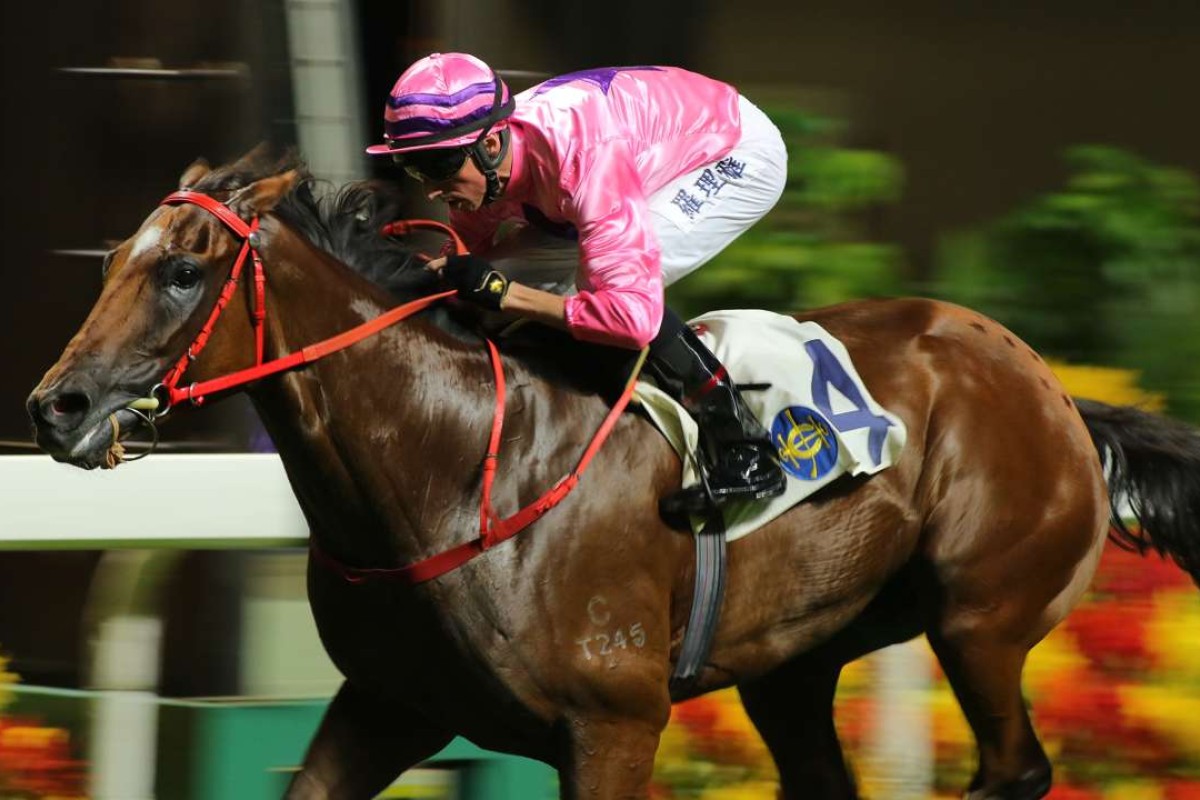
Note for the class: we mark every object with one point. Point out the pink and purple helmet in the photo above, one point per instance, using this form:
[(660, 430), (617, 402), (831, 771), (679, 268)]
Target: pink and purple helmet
[(443, 100)]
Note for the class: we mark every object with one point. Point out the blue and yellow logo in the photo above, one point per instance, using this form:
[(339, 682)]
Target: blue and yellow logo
[(807, 444)]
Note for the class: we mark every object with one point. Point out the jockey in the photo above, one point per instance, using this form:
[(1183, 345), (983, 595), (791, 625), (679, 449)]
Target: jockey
[(629, 178)]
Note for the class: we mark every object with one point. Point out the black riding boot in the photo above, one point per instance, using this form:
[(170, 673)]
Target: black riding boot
[(738, 461)]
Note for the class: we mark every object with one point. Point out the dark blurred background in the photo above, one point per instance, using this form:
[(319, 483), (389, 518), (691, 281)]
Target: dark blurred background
[(1035, 160), (976, 106)]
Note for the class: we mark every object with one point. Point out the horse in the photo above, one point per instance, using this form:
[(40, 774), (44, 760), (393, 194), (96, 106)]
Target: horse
[(558, 644)]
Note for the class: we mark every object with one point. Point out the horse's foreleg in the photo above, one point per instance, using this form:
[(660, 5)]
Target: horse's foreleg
[(363, 743), (792, 708), (608, 759)]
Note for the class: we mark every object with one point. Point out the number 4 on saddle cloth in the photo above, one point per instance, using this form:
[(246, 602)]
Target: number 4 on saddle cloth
[(804, 389)]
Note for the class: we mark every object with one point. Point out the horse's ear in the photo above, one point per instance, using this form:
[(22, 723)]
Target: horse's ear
[(263, 195), (198, 169), (255, 160)]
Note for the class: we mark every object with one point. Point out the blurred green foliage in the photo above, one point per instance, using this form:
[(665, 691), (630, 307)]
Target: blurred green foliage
[(1103, 271), (813, 248)]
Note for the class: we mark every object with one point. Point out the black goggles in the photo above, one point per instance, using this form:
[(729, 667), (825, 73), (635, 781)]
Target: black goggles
[(436, 164)]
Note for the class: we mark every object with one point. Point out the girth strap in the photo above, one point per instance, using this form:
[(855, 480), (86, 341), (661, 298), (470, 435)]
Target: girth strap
[(708, 593)]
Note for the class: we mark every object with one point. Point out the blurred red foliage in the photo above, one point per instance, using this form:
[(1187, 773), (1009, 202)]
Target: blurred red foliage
[(37, 760)]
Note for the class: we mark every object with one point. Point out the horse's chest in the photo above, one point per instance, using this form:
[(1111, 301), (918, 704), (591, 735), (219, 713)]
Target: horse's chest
[(431, 657)]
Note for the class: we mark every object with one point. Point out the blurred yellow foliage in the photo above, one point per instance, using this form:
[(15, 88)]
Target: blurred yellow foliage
[(1107, 385), (673, 745), (950, 727), (6, 679), (1053, 664), (734, 724), (753, 790), (1167, 710), (30, 737), (1134, 790), (1173, 634), (857, 676)]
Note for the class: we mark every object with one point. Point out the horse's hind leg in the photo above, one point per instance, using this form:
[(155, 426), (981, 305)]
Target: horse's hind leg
[(792, 708), (999, 597), (363, 743), (984, 669)]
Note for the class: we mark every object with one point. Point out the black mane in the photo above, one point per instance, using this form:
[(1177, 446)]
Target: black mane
[(343, 221)]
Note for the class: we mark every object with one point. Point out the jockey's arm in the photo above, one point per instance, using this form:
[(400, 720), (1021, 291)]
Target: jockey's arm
[(620, 291), (525, 301), (545, 307), (474, 276), (620, 297)]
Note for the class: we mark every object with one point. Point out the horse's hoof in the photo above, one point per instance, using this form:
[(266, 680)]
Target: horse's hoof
[(1033, 785)]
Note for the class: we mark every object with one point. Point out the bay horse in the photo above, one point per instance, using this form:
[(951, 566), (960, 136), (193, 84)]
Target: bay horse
[(558, 644)]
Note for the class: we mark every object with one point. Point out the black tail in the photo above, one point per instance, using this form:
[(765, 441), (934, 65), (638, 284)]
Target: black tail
[(1153, 469)]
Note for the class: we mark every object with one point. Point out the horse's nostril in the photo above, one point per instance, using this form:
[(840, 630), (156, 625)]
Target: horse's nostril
[(63, 411), (70, 403)]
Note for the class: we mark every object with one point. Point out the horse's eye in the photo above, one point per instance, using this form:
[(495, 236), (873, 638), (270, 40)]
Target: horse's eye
[(107, 265), (185, 277)]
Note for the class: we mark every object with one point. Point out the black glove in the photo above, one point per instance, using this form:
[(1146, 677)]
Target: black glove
[(475, 280)]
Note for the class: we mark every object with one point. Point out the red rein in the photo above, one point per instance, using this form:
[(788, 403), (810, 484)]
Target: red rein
[(492, 529)]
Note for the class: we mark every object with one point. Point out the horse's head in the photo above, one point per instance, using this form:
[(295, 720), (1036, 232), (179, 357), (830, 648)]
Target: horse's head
[(160, 287)]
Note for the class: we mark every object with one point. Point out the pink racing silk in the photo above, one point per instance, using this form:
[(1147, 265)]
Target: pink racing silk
[(588, 149)]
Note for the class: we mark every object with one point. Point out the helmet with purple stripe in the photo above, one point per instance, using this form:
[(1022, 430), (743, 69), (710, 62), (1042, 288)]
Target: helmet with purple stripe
[(448, 100), (443, 100)]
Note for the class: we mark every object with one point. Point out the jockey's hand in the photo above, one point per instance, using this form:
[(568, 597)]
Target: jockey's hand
[(476, 280)]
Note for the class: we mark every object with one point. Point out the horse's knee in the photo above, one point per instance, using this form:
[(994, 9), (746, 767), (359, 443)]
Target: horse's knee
[(306, 786), (608, 758)]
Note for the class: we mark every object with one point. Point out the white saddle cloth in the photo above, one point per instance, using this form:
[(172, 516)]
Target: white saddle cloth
[(822, 420)]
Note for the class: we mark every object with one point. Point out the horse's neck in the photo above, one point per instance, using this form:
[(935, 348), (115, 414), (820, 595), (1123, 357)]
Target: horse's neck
[(382, 441)]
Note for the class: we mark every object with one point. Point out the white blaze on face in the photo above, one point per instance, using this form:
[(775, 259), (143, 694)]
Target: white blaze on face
[(146, 240)]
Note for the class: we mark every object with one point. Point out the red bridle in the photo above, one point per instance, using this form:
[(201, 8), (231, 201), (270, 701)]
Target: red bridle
[(168, 393), (492, 528)]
